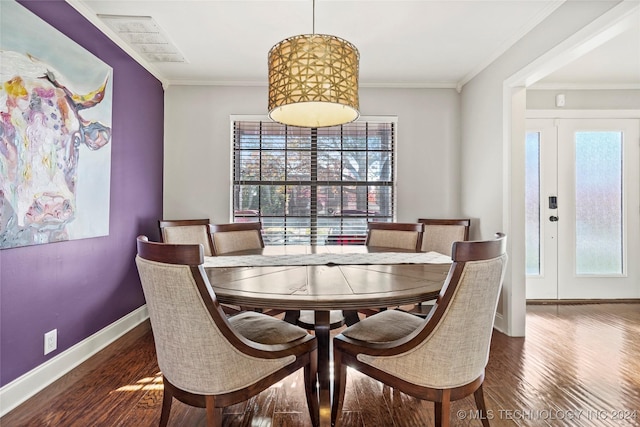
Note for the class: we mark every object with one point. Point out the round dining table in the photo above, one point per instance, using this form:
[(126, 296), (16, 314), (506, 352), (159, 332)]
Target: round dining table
[(325, 278)]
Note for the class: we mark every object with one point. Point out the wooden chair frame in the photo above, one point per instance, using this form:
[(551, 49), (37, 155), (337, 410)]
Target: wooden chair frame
[(304, 349), (346, 350)]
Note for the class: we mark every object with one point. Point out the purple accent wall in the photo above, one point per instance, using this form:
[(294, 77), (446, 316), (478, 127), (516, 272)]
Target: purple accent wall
[(82, 286)]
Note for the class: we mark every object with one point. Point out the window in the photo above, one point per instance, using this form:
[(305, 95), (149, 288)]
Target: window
[(313, 186)]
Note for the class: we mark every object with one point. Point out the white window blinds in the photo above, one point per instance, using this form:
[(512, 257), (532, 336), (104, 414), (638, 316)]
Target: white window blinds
[(313, 186)]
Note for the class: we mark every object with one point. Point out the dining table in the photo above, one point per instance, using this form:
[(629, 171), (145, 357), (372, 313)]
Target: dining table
[(326, 278)]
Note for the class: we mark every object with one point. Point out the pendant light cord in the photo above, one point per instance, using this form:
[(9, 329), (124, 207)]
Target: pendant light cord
[(313, 17)]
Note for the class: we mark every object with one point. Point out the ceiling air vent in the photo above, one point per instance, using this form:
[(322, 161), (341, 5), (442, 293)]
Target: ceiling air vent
[(145, 36)]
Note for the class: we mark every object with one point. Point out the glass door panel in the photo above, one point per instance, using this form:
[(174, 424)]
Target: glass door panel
[(532, 203), (599, 214)]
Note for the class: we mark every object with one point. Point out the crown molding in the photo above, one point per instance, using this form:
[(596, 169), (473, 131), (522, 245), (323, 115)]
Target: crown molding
[(383, 85)]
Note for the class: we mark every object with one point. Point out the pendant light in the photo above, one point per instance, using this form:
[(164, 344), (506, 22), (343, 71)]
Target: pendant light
[(313, 80)]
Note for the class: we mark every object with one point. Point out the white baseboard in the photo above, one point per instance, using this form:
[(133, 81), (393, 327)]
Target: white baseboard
[(24, 387), (499, 323)]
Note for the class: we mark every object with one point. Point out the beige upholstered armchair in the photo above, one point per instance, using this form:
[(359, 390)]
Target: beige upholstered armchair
[(206, 359), (442, 358), (187, 231), (237, 237)]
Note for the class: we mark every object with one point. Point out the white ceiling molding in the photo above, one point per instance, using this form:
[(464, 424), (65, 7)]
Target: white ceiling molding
[(440, 85)]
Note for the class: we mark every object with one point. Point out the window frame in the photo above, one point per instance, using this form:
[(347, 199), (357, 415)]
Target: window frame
[(392, 120)]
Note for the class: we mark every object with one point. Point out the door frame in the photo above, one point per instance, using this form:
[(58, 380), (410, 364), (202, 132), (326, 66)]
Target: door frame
[(613, 22), (552, 118)]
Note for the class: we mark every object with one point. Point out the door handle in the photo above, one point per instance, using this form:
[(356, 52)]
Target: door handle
[(553, 218)]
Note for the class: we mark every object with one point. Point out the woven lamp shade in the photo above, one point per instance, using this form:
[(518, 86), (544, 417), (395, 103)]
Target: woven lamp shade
[(313, 81)]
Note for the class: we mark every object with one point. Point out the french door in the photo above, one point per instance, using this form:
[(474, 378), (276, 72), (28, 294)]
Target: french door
[(583, 208)]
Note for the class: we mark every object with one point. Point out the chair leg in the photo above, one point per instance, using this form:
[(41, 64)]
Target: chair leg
[(292, 316), (443, 410), (311, 390), (214, 415), (479, 397), (350, 317), (339, 386), (167, 399)]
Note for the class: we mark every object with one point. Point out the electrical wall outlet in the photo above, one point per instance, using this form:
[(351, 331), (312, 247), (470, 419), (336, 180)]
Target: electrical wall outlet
[(50, 341)]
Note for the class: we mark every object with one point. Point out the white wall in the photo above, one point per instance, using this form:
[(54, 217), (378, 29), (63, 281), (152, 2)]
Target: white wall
[(488, 163), (197, 162)]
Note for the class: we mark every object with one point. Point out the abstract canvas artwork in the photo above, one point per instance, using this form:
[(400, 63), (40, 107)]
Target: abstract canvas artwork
[(55, 134)]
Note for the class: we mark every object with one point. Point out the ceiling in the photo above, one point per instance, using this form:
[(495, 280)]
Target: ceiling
[(614, 64), (402, 43)]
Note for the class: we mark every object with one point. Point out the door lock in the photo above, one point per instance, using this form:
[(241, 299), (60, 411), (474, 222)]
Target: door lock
[(553, 218)]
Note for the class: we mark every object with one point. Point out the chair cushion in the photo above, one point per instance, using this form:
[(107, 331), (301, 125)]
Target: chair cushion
[(388, 325), (265, 329)]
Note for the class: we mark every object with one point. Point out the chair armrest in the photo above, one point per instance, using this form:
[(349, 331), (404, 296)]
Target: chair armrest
[(353, 346), (298, 347)]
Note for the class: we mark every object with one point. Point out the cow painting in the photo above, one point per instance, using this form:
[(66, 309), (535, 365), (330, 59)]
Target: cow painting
[(42, 139)]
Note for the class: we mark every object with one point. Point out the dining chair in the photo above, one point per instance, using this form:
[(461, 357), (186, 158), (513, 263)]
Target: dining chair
[(439, 359), (236, 237), (395, 235), (192, 231), (439, 235), (248, 235), (187, 231), (208, 360)]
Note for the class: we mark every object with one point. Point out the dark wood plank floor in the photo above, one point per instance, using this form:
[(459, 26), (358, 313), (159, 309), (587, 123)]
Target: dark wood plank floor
[(578, 366)]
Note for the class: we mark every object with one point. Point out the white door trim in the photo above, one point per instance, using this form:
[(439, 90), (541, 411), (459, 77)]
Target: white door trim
[(582, 114)]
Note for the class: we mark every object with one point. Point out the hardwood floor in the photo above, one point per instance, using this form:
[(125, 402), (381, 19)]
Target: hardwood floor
[(578, 366)]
